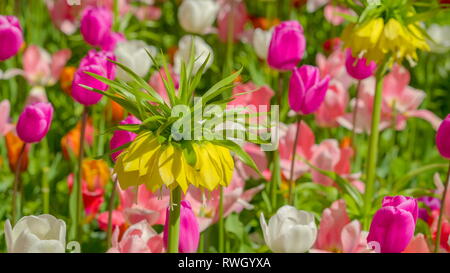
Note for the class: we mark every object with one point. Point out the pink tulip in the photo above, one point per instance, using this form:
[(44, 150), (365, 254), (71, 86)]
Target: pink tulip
[(5, 125), (206, 204), (338, 234), (331, 14), (358, 67), (138, 238), (306, 90), (417, 245), (117, 220), (232, 13), (110, 40), (97, 63), (156, 81), (34, 122), (334, 105), (393, 225), (42, 69), (443, 137), (334, 66), (189, 230), (260, 96), (96, 23), (245, 172), (11, 37), (122, 137), (399, 99), (287, 46)]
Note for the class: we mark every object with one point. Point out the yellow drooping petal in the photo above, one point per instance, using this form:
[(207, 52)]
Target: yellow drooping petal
[(171, 168), (209, 178), (126, 178)]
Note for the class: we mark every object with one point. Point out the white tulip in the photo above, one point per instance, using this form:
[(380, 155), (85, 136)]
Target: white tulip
[(36, 234), (289, 230), (197, 16), (201, 51), (441, 38), (261, 42), (133, 55)]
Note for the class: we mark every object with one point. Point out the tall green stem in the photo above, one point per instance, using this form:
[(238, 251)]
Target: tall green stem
[(294, 149), (373, 148), (110, 211), (77, 186), (441, 213), (355, 116), (174, 221), (221, 224), (14, 206), (275, 180)]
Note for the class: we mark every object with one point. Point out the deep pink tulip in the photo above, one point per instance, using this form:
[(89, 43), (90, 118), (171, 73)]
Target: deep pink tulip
[(189, 230), (96, 22), (393, 225), (81, 94), (122, 137), (287, 46), (100, 58), (110, 41), (358, 68), (34, 122), (11, 37), (306, 89), (442, 138)]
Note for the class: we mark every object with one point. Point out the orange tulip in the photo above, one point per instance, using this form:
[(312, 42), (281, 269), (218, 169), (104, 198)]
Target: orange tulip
[(95, 173), (66, 79), (264, 23), (117, 111), (72, 139), (14, 145)]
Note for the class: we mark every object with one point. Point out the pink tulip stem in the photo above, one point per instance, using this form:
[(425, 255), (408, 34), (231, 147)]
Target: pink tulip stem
[(16, 183), (110, 210), (174, 221), (441, 213), (355, 116), (291, 175), (77, 185), (373, 147), (221, 223)]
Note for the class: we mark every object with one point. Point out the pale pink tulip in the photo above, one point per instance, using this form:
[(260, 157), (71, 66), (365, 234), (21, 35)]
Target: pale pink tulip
[(334, 66), (399, 99), (244, 171), (206, 204), (41, 68), (338, 234), (260, 96), (231, 13), (333, 106), (138, 238), (5, 125), (156, 81), (332, 14), (417, 245)]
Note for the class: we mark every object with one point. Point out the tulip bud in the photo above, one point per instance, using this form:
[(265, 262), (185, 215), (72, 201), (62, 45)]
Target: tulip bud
[(358, 68), (306, 90), (189, 229), (261, 41), (95, 24), (393, 225), (443, 137), (122, 137), (289, 230), (34, 122), (36, 234), (287, 46), (197, 16), (11, 37), (133, 54)]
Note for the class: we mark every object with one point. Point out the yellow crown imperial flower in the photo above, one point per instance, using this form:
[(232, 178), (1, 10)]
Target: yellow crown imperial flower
[(390, 31), (160, 155)]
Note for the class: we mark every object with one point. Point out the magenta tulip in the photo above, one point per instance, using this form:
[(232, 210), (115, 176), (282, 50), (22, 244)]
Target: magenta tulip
[(11, 37), (443, 138), (358, 67), (306, 89), (287, 46), (189, 229), (34, 122), (122, 137), (393, 225), (110, 41), (95, 24), (81, 94), (100, 58)]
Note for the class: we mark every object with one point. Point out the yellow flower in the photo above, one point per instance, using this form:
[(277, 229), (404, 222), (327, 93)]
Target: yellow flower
[(148, 162), (376, 40)]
